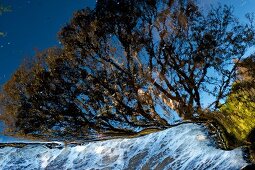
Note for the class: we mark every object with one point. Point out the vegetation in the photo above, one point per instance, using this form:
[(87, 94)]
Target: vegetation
[(238, 112), (131, 65)]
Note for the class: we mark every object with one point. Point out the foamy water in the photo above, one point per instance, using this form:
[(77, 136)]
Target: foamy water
[(186, 146)]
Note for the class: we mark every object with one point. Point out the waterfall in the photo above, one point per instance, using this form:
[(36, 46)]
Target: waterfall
[(186, 146)]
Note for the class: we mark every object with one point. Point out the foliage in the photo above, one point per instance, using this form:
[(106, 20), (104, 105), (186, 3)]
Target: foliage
[(238, 113), (40, 101), (182, 52), (128, 65)]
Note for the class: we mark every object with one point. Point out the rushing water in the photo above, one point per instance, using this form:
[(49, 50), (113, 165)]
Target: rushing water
[(186, 146)]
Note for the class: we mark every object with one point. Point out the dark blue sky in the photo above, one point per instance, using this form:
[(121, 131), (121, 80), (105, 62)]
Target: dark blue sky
[(32, 25)]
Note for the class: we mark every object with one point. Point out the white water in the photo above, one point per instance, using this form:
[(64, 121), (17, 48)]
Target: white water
[(183, 147)]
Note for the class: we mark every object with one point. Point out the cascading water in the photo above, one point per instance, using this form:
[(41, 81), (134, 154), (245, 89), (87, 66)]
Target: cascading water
[(186, 146)]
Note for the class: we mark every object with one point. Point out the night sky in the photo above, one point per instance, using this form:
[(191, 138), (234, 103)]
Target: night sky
[(31, 26)]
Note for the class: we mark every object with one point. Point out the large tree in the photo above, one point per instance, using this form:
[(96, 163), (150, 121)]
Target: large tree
[(128, 65), (182, 53)]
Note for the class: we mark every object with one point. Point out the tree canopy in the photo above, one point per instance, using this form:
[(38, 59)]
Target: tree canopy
[(128, 65)]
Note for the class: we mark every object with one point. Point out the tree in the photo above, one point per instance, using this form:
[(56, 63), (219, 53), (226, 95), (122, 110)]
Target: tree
[(183, 53), (128, 65), (41, 100)]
